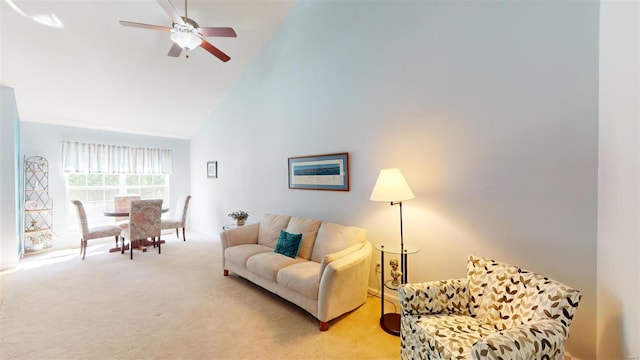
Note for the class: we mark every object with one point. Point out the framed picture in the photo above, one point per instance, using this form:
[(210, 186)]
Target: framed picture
[(319, 172), (212, 169)]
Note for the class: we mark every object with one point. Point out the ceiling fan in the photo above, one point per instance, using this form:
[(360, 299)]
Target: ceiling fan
[(186, 33)]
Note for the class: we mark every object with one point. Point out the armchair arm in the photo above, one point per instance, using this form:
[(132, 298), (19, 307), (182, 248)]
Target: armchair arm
[(538, 339), (434, 297)]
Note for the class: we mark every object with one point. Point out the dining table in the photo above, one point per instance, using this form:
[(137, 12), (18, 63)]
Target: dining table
[(111, 211)]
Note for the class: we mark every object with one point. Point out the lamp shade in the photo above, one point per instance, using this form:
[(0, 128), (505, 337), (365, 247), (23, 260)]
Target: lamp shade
[(391, 186)]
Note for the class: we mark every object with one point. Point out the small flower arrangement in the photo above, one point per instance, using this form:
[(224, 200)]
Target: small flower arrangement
[(239, 215)]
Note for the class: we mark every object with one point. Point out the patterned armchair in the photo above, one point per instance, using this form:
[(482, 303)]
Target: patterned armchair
[(498, 311)]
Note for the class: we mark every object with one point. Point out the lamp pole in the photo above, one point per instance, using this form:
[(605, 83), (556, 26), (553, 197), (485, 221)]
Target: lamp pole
[(403, 257)]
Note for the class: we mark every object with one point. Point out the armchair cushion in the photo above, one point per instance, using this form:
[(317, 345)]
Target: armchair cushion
[(450, 336), (535, 340)]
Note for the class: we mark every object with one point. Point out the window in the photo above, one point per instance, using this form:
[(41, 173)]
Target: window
[(96, 191), (96, 173)]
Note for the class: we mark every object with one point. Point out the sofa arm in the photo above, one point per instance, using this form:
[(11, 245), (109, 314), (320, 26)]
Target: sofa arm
[(247, 234), (538, 339), (434, 297), (344, 283)]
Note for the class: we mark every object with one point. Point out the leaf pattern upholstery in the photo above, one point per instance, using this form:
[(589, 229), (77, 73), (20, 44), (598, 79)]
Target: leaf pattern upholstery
[(498, 311)]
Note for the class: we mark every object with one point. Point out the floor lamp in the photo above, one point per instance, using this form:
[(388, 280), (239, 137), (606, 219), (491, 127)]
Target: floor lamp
[(393, 188)]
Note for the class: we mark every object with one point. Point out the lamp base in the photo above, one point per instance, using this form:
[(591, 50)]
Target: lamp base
[(390, 323)]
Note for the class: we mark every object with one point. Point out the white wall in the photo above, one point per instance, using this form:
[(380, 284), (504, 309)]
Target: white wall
[(489, 108), (46, 140), (9, 181), (618, 332)]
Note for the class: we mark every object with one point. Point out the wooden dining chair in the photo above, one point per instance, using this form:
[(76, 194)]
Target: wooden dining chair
[(144, 223), (89, 233), (179, 218)]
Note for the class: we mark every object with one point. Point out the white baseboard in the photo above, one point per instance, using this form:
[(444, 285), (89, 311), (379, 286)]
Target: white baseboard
[(389, 295)]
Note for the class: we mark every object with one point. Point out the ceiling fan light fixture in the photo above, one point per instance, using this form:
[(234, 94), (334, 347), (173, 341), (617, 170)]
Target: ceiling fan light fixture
[(186, 36)]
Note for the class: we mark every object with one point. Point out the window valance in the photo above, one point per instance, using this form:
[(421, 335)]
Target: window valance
[(114, 159)]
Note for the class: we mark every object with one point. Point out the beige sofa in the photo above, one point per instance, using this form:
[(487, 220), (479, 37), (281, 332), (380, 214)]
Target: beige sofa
[(329, 276)]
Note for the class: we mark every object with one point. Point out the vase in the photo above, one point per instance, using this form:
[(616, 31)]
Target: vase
[(240, 222)]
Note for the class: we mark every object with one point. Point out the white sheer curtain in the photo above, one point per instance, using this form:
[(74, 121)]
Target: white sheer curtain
[(80, 157)]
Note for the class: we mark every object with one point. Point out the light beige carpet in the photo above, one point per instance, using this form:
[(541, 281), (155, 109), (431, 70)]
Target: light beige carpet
[(176, 305)]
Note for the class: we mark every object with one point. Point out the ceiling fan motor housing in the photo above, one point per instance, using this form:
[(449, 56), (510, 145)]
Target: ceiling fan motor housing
[(186, 35), (190, 22)]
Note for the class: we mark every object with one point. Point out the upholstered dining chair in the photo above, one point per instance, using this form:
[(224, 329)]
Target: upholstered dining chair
[(179, 217), (123, 203), (144, 223), (89, 233)]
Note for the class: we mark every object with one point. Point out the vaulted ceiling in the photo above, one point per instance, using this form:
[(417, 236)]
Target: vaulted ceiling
[(95, 73)]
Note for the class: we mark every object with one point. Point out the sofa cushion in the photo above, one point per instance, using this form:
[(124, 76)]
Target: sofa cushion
[(270, 227), (267, 264), (332, 238), (239, 254), (288, 244), (308, 228), (329, 258), (302, 278)]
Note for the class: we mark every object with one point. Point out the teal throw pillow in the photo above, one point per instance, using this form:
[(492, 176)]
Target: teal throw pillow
[(288, 244)]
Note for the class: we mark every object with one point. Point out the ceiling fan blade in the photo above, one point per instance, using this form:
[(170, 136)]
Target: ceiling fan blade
[(175, 50), (214, 51), (171, 11), (217, 31), (144, 26)]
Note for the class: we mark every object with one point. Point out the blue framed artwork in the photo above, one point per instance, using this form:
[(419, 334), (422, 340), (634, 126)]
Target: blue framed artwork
[(319, 172)]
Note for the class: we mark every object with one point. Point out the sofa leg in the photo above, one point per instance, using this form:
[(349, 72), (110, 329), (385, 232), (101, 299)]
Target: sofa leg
[(324, 325), (226, 272)]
